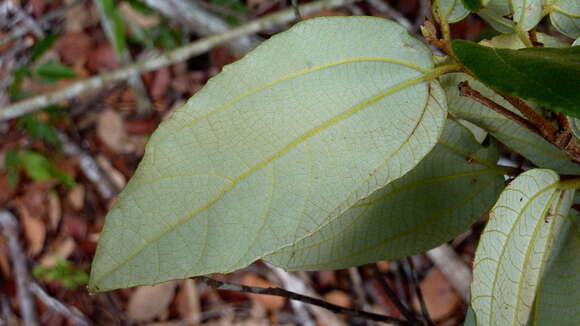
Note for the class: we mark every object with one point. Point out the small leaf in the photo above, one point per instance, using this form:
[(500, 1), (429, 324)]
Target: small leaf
[(38, 129), (565, 16), (438, 200), (547, 76), (43, 45), (39, 168), (518, 139), (514, 247), (449, 11), (53, 70), (559, 291), (280, 143), (472, 5)]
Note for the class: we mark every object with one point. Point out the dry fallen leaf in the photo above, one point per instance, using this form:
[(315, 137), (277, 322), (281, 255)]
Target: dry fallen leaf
[(440, 298), (60, 250), (138, 18), (76, 197), (33, 227), (188, 302), (148, 302), (338, 298), (111, 130), (54, 210)]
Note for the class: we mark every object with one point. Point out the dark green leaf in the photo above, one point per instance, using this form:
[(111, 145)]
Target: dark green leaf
[(547, 76), (108, 6), (52, 70), (43, 45), (39, 168), (119, 40), (38, 129), (141, 7), (14, 88), (11, 164), (472, 5)]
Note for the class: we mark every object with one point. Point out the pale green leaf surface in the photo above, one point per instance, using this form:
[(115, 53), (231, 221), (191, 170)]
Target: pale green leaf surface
[(514, 247), (558, 298), (565, 16), (494, 13), (576, 42), (527, 13), (470, 317), (278, 144), (519, 139), (575, 126), (450, 11), (512, 41), (438, 200)]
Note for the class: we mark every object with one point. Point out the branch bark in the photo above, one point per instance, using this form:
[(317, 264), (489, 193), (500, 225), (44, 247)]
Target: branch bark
[(202, 22), (180, 54), (219, 285), (9, 227)]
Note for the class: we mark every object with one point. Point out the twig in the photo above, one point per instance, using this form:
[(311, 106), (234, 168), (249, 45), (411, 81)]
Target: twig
[(90, 168), (143, 103), (45, 20), (422, 15), (467, 91), (390, 12), (165, 59), (419, 293), (454, 269), (202, 22), (357, 285), (71, 313), (391, 293), (294, 283), (9, 227), (219, 285), (545, 127)]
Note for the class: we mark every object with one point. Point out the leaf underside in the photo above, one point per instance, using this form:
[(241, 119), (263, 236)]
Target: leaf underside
[(277, 145), (514, 247), (454, 185), (547, 76), (565, 16)]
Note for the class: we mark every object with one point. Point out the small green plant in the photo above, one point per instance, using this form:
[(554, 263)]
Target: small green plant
[(36, 167), (63, 271), (343, 141)]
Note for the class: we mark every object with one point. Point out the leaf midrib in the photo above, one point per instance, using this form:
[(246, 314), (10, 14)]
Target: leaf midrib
[(268, 160)]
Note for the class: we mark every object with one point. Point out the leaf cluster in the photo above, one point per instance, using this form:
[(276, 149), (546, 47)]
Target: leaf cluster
[(344, 141)]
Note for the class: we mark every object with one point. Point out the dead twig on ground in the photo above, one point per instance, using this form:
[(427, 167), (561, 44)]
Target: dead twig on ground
[(9, 227), (219, 285), (180, 54), (72, 313)]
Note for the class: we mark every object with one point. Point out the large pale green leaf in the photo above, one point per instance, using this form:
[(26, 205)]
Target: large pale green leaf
[(558, 298), (277, 145), (449, 11), (565, 16), (517, 138), (527, 13), (547, 76), (514, 247), (438, 200)]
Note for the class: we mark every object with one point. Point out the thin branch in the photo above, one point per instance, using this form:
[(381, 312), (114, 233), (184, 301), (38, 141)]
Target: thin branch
[(391, 293), (71, 313), (467, 91), (143, 103), (43, 21), (546, 128), (9, 227), (219, 285), (202, 22), (180, 54), (90, 168), (419, 293)]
